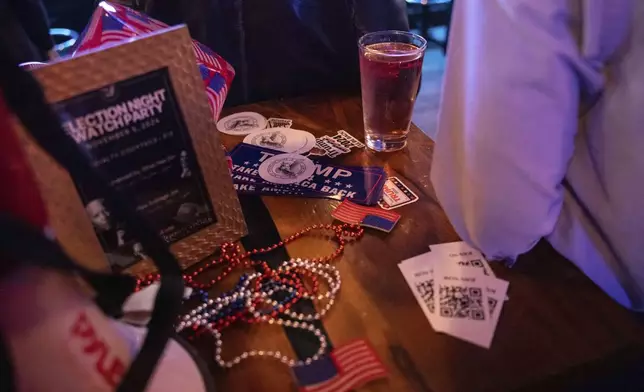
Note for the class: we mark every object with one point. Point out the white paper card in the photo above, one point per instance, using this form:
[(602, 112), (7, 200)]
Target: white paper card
[(419, 274), (462, 309), (496, 297), (462, 302), (464, 255)]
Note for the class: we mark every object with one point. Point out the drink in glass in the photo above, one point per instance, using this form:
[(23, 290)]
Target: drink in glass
[(390, 68)]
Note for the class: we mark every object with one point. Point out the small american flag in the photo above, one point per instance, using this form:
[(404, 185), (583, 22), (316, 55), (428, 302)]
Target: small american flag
[(374, 217), (346, 368), (205, 56)]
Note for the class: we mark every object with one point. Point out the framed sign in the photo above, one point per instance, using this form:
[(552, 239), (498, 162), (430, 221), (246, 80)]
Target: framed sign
[(140, 111)]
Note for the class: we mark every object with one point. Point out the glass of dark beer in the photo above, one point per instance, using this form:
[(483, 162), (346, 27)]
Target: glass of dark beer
[(390, 67)]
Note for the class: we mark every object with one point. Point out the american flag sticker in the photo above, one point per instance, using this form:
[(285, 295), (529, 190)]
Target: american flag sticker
[(373, 217), (345, 368), (396, 194)]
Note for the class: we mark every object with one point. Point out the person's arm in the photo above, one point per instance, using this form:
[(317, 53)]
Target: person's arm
[(508, 119)]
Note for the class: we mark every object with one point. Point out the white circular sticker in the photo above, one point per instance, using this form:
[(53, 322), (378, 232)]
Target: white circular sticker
[(242, 123), (310, 143), (282, 139), (286, 169)]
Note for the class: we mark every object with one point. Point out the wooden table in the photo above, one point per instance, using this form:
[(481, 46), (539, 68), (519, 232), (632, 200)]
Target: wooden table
[(557, 331)]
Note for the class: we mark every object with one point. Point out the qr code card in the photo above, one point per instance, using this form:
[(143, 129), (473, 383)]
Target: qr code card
[(496, 296), (464, 255), (458, 299), (419, 274), (462, 299)]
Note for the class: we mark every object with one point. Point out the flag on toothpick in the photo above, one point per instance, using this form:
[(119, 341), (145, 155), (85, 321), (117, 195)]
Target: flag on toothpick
[(345, 368)]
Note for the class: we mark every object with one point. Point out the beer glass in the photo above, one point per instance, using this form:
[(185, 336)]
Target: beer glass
[(390, 67)]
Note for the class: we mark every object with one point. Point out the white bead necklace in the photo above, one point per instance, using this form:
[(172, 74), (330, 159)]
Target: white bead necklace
[(201, 314)]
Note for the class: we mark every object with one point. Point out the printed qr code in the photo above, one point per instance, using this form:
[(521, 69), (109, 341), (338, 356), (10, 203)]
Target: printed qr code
[(461, 302), (492, 304), (479, 264), (426, 291)]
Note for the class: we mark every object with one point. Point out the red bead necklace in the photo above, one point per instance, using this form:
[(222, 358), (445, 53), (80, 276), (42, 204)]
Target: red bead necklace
[(233, 257)]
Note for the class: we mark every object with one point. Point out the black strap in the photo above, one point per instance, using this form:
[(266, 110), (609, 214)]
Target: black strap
[(111, 292), (261, 234), (24, 244), (25, 98)]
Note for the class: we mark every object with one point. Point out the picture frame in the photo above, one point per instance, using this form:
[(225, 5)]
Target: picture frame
[(174, 114)]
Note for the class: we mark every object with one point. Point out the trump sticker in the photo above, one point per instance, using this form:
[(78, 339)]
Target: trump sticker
[(286, 169), (240, 124), (282, 139), (255, 165), (396, 194)]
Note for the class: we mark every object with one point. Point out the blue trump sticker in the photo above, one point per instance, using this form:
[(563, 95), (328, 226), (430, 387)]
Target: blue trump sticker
[(359, 184)]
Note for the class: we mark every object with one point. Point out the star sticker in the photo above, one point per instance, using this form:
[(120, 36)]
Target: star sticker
[(327, 181), (255, 164), (246, 163), (348, 186), (338, 183)]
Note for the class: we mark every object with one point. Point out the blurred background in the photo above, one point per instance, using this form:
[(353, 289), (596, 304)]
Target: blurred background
[(429, 18)]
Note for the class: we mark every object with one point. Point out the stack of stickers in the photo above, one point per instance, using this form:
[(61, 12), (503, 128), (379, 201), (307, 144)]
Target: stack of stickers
[(274, 133), (277, 134), (271, 161), (457, 291), (244, 123)]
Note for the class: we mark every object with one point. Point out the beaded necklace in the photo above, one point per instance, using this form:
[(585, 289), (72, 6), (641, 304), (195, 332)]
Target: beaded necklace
[(252, 300), (200, 316), (233, 257)]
